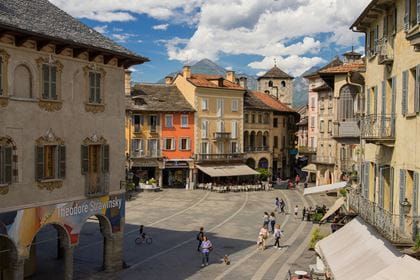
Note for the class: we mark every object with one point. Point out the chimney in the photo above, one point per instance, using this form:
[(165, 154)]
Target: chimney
[(127, 84), (186, 72), (220, 82), (243, 82), (168, 80), (230, 76)]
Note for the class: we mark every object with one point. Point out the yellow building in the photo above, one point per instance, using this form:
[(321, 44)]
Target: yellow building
[(391, 123)]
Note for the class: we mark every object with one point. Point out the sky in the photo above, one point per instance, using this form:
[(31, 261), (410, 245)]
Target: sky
[(247, 36)]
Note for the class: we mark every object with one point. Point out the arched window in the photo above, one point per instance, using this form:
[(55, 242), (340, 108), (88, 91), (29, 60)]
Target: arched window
[(270, 83), (346, 103), (22, 84), (283, 83), (267, 92)]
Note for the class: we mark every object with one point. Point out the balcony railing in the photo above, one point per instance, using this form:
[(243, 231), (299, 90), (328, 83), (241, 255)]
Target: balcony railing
[(347, 128), (220, 157), (378, 127), (221, 136), (325, 159), (384, 221), (385, 51), (97, 184), (249, 149), (146, 154)]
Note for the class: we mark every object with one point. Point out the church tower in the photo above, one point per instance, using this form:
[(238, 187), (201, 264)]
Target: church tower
[(278, 84)]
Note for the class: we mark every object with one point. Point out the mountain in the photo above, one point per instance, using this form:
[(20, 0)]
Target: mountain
[(300, 91), (206, 66)]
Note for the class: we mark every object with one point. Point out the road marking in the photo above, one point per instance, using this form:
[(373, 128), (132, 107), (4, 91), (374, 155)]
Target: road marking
[(188, 240), (151, 224), (272, 259), (242, 260)]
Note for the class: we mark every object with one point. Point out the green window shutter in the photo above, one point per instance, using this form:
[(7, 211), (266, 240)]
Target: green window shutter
[(383, 101), (367, 44), (8, 154), (46, 81), (368, 102), (416, 194), (404, 105), (375, 100), (391, 185), (91, 87), (39, 163), (85, 158), (394, 95), (61, 161), (407, 15), (376, 39), (381, 186), (105, 158), (53, 81), (98, 88), (417, 92), (402, 197)]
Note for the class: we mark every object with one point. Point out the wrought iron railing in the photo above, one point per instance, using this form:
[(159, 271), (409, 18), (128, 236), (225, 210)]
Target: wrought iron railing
[(96, 184), (221, 135), (221, 157), (249, 149), (378, 127)]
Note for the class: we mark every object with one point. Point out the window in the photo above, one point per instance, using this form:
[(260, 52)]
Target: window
[(312, 122), (246, 118), (252, 118), (414, 90), (330, 102), (204, 104), (275, 122), (321, 104), (169, 121), (22, 87), (50, 162), (346, 108), (1, 75), (220, 148), (184, 121), (220, 126), (283, 83), (219, 107), (393, 21), (270, 84), (312, 143), (95, 87), (204, 129), (260, 118), (95, 166), (329, 126), (266, 118), (284, 122), (235, 105), (153, 147), (153, 123), (49, 78), (169, 144), (184, 144), (321, 126), (234, 147), (283, 142), (7, 162), (137, 122), (276, 142), (313, 102), (234, 133), (205, 148), (137, 147)]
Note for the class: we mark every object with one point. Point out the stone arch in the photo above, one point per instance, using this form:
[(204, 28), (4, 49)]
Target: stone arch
[(105, 225), (246, 139), (22, 65), (263, 163), (265, 139), (259, 139), (252, 140), (270, 83), (22, 87), (251, 163)]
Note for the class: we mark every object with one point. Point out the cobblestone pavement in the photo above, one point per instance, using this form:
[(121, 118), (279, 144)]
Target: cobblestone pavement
[(232, 222)]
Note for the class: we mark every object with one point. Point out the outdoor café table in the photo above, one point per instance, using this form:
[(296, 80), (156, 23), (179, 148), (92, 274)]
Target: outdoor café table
[(301, 273)]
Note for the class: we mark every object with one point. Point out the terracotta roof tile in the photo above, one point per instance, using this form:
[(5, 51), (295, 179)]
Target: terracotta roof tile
[(252, 102), (345, 68), (273, 103), (276, 72), (211, 81)]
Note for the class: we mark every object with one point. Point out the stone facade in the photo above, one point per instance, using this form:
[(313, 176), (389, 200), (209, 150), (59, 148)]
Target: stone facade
[(277, 84)]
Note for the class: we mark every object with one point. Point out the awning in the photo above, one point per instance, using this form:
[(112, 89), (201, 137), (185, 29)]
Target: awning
[(337, 204), (309, 168), (405, 267), (357, 251), (228, 170), (324, 188)]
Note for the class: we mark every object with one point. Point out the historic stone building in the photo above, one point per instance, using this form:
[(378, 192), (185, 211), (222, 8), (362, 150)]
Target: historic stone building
[(61, 136), (391, 121), (278, 84)]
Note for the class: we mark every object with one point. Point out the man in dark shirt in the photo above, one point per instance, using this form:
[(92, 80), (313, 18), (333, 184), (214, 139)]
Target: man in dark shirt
[(200, 236)]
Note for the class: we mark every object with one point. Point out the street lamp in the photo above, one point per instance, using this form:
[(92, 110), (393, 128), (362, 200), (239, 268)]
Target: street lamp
[(406, 206)]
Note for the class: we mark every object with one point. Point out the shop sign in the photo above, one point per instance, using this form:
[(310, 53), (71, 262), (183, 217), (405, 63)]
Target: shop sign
[(176, 164)]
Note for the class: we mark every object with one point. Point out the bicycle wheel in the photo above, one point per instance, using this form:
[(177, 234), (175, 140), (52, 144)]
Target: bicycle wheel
[(149, 240), (138, 241)]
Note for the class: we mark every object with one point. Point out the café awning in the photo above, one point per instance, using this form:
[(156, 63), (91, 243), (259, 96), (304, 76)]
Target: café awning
[(309, 168), (228, 170), (357, 251), (405, 267), (324, 188), (337, 204)]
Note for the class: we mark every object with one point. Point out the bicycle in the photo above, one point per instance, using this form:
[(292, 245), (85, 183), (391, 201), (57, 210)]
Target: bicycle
[(143, 239)]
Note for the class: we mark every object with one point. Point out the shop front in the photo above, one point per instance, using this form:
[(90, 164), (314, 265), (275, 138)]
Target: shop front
[(177, 174), (19, 229), (146, 170)]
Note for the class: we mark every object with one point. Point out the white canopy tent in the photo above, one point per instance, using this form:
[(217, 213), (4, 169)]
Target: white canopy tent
[(405, 267), (228, 170), (357, 251), (324, 188)]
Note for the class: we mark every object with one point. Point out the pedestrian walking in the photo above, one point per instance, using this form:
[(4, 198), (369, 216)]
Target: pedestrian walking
[(297, 179), (278, 233), (266, 219), (262, 237), (296, 210), (200, 237), (206, 248), (277, 203), (303, 213), (282, 205), (272, 220)]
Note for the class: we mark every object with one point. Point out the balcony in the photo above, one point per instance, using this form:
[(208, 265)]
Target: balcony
[(306, 150), (232, 157), (250, 149), (146, 154), (384, 221), (221, 136), (96, 184), (325, 160), (385, 52), (378, 128), (346, 129)]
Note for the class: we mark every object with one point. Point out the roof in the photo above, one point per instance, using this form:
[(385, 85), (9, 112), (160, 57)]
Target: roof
[(364, 13), (276, 72), (303, 122), (358, 66), (211, 81), (302, 109), (335, 62), (253, 102), (272, 102), (322, 87), (40, 18), (158, 98)]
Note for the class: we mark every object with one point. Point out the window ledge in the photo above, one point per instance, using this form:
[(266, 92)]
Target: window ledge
[(94, 107), (50, 105), (50, 184), (413, 31), (4, 189), (410, 115), (25, 99), (4, 100)]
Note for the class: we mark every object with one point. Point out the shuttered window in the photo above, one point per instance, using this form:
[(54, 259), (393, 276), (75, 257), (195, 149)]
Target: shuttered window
[(418, 11), (385, 26), (204, 129), (50, 162), (95, 87), (49, 77), (381, 187), (138, 121), (416, 194), (95, 158), (368, 102), (404, 100), (184, 144), (6, 163), (417, 91), (391, 186), (366, 179), (402, 197), (234, 132), (219, 107), (407, 15), (375, 100), (394, 94)]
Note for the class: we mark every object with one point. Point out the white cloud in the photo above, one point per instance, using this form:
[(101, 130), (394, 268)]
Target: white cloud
[(101, 28), (160, 27), (293, 64), (122, 37)]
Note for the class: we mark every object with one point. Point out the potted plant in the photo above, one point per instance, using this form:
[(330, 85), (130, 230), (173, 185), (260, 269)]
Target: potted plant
[(265, 174)]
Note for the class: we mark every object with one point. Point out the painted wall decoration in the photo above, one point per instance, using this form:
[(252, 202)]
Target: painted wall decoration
[(22, 225)]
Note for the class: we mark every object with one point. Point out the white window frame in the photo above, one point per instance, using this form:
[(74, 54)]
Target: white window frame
[(204, 104), (172, 148), (171, 124), (236, 150), (182, 123), (204, 129), (235, 105), (234, 132), (206, 150), (220, 105), (188, 143)]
